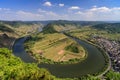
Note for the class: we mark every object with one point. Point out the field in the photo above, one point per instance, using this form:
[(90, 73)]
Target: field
[(52, 46), (89, 32)]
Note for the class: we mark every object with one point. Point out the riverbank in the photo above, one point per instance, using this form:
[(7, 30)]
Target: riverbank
[(108, 62), (55, 49)]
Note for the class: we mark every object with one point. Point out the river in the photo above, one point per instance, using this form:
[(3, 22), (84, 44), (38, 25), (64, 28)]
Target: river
[(92, 64)]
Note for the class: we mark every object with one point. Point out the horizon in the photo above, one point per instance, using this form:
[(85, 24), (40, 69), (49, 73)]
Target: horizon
[(43, 10), (57, 20)]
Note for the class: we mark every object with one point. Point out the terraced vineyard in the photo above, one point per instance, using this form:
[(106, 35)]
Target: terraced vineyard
[(52, 46)]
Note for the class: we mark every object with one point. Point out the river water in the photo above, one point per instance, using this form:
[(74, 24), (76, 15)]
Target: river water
[(92, 64)]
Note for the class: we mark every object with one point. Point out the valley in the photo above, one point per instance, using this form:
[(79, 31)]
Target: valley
[(67, 49)]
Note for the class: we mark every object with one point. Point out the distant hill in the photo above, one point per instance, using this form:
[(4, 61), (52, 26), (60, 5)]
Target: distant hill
[(10, 30), (63, 25), (24, 27), (19, 23), (4, 28), (110, 27), (78, 23)]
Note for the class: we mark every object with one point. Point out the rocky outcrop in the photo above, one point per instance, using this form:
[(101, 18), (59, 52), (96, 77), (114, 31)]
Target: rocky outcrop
[(6, 41)]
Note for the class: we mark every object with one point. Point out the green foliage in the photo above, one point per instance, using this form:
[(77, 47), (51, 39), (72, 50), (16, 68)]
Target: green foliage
[(110, 27), (111, 75), (12, 68), (73, 48), (48, 29), (89, 77)]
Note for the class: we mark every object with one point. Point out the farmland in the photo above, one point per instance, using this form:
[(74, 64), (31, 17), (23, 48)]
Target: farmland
[(52, 46)]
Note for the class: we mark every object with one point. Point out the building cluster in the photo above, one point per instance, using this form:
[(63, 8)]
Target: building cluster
[(113, 49)]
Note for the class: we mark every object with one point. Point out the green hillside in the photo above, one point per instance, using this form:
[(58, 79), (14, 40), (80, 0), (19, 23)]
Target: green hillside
[(12, 68), (49, 29), (4, 28), (11, 30), (110, 27)]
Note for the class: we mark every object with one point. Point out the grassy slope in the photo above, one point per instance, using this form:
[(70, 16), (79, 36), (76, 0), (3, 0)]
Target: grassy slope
[(22, 28), (52, 46), (27, 29)]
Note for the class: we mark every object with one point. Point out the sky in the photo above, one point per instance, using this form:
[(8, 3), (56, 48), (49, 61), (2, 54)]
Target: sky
[(39, 10)]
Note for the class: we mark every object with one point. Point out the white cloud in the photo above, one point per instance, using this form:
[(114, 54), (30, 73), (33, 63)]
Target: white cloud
[(50, 13), (61, 5), (41, 11), (100, 9), (74, 8), (116, 8), (47, 4), (0, 9), (94, 6), (79, 12), (4, 9), (93, 13), (100, 13), (28, 15)]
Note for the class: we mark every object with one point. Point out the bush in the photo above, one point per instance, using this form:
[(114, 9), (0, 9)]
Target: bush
[(73, 48)]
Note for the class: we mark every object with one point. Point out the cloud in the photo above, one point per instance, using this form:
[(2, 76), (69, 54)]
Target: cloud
[(100, 9), (74, 8), (100, 13), (28, 14), (94, 6), (23, 15), (47, 4), (0, 9), (61, 5), (41, 11), (4, 9), (94, 14), (79, 12), (50, 13)]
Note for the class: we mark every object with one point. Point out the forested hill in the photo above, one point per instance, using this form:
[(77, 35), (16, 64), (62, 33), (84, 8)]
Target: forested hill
[(110, 27)]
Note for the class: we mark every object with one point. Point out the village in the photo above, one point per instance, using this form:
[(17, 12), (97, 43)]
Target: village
[(113, 49)]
